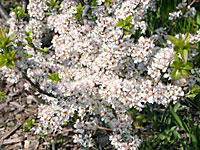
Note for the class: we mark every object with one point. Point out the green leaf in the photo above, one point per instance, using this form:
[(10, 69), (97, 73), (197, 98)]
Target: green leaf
[(48, 4), (64, 123), (187, 66), (28, 33), (107, 2), (54, 77), (192, 96), (162, 136), (126, 32), (184, 73), (128, 19), (176, 107), (120, 24), (194, 140), (10, 64), (43, 50), (184, 54), (28, 39), (12, 37), (127, 28), (177, 58), (29, 124), (174, 40), (186, 39), (195, 89), (2, 35), (3, 60), (198, 18), (29, 45), (93, 3), (79, 8), (182, 124), (11, 55), (176, 74), (2, 95)]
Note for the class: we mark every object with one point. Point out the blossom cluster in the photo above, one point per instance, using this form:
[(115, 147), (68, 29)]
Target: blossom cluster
[(102, 72), (190, 11)]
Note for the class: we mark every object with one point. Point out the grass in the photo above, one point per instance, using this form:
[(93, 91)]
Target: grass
[(176, 127)]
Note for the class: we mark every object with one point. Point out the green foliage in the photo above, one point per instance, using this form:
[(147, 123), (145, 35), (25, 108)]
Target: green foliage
[(7, 58), (6, 40), (29, 124), (28, 38), (181, 65), (169, 127), (79, 12), (43, 50), (107, 2), (126, 25), (192, 130), (19, 12), (193, 93), (4, 124), (53, 3), (2, 94), (93, 3), (54, 77)]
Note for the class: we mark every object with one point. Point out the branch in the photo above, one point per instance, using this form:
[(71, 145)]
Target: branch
[(161, 76), (42, 91), (4, 13), (37, 87), (104, 128)]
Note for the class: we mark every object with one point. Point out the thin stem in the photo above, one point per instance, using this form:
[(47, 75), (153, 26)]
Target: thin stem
[(161, 76), (24, 4)]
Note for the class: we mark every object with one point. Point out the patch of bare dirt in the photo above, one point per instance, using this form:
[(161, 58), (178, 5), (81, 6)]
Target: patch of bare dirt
[(20, 105)]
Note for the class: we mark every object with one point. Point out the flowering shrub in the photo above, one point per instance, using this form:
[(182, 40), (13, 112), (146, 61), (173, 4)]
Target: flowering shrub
[(97, 68)]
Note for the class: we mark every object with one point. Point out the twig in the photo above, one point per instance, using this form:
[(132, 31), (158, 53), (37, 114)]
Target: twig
[(9, 133), (104, 128), (24, 4), (194, 1), (161, 76), (37, 87), (40, 90), (13, 141), (4, 13), (53, 144)]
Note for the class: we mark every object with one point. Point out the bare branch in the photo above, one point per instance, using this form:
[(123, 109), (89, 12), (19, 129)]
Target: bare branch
[(37, 87)]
